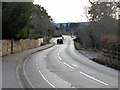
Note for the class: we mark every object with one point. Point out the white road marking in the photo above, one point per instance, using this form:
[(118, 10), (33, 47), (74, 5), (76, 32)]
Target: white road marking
[(74, 65), (68, 65), (18, 77), (93, 78), (58, 54), (26, 74), (64, 81), (45, 78), (60, 58), (59, 51)]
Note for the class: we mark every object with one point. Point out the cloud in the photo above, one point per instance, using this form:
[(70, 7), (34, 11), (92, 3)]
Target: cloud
[(64, 10)]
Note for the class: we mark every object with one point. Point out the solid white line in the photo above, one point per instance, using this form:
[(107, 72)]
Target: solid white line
[(17, 74), (93, 78), (60, 58), (67, 65), (26, 74), (45, 78)]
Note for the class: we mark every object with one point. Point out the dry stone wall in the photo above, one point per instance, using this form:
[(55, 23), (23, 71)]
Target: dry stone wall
[(18, 45)]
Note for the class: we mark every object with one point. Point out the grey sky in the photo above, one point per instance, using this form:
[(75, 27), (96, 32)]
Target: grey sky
[(65, 10)]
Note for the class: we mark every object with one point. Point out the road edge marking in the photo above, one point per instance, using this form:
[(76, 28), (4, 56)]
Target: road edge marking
[(60, 58), (18, 74), (26, 74), (20, 82), (45, 78), (68, 65)]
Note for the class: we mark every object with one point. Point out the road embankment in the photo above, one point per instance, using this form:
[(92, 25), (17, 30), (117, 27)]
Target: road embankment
[(99, 57)]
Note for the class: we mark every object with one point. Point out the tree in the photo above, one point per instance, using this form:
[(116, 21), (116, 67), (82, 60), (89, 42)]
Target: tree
[(67, 27), (62, 26), (41, 22), (101, 10), (73, 26), (103, 21), (14, 17), (85, 12)]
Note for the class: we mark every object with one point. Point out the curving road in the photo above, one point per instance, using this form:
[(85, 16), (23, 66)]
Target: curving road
[(63, 67)]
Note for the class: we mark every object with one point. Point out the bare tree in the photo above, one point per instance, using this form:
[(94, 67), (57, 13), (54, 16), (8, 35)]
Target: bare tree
[(85, 12)]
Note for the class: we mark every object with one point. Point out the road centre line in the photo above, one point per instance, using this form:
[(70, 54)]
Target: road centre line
[(58, 54), (59, 58), (93, 78), (68, 65), (74, 65), (84, 73), (45, 78)]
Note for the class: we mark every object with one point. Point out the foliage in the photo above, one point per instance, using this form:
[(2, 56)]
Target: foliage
[(110, 62), (22, 34), (109, 42), (26, 20), (15, 17), (41, 23), (102, 24), (62, 27), (57, 33), (101, 10), (36, 36)]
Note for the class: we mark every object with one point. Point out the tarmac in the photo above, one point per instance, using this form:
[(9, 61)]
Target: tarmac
[(10, 64)]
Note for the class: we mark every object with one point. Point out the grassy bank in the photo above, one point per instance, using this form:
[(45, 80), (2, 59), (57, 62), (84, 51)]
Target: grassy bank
[(109, 62), (107, 59)]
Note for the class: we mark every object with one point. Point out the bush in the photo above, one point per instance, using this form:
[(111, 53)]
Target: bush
[(57, 33), (77, 45), (46, 40), (110, 62), (22, 34), (36, 36)]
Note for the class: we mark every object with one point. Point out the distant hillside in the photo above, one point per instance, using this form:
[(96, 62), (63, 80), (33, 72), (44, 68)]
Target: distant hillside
[(58, 24)]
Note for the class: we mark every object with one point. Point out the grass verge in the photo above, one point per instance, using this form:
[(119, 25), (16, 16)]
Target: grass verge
[(101, 59)]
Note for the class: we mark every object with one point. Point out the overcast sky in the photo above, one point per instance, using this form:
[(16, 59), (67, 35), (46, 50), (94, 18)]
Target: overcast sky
[(63, 11)]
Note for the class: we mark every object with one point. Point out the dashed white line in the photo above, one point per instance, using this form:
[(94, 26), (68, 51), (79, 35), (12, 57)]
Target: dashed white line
[(58, 54), (93, 78), (45, 78), (65, 81), (59, 58), (26, 74), (68, 65), (74, 65)]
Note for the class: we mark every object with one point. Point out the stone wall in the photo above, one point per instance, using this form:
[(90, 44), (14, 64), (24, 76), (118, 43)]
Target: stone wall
[(18, 45)]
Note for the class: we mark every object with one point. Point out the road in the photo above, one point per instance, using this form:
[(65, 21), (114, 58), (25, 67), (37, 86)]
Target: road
[(63, 67)]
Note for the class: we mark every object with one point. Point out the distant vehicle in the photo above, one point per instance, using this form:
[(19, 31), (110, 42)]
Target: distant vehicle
[(59, 41)]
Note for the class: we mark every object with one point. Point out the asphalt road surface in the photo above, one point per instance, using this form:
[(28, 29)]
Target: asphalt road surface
[(63, 67)]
